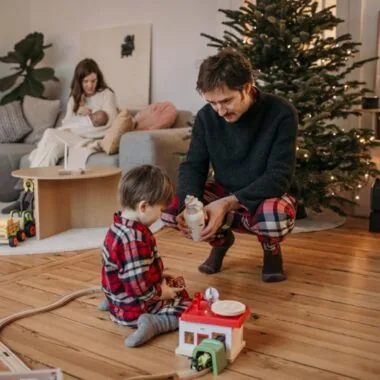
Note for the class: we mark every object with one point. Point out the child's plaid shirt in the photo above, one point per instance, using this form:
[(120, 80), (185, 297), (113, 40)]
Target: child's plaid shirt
[(132, 270)]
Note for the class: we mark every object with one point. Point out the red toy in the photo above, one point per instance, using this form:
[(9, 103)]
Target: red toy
[(200, 322)]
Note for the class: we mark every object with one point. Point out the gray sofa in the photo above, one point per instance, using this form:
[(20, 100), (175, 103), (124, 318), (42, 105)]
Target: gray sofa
[(155, 147)]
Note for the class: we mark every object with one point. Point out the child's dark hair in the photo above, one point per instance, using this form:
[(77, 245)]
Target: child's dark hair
[(145, 183)]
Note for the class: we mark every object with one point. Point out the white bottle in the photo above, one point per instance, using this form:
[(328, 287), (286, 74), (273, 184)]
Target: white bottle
[(194, 216)]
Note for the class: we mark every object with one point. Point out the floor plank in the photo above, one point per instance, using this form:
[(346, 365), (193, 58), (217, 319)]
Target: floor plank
[(322, 323)]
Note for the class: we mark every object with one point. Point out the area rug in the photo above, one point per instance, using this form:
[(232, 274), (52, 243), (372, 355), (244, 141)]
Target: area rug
[(319, 221), (88, 238)]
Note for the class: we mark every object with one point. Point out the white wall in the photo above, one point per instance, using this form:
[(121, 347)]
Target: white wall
[(361, 21), (177, 46), (14, 25)]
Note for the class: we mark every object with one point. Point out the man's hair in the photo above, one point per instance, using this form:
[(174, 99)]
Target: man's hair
[(145, 183), (227, 68)]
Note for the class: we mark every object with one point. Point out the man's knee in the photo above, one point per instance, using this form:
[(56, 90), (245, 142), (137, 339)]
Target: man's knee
[(169, 215), (277, 216)]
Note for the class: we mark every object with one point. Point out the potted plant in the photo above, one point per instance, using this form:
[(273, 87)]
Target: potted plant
[(28, 80)]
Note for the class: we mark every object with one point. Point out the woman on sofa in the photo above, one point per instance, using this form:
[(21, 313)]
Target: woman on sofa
[(89, 94)]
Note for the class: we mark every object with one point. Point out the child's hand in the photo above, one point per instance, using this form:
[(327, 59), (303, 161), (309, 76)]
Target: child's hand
[(168, 293)]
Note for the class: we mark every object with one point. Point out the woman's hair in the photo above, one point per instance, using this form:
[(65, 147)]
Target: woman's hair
[(85, 67), (145, 183), (227, 68)]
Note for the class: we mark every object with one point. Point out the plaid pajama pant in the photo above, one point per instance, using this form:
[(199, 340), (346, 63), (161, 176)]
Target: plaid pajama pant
[(272, 221), (173, 308)]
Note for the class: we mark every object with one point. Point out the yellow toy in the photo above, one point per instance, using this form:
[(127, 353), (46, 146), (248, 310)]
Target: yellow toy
[(10, 231)]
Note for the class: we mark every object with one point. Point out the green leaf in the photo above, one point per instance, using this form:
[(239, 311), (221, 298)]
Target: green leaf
[(11, 96), (34, 88), (43, 74), (25, 46), (7, 82), (12, 57), (36, 58)]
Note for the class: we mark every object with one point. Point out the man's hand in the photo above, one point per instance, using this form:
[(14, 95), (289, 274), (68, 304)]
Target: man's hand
[(168, 293), (215, 213)]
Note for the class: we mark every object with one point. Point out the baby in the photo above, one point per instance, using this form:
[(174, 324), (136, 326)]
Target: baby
[(92, 126), (98, 118), (94, 119)]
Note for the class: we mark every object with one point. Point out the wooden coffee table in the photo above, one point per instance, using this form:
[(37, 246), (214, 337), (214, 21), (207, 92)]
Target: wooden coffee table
[(62, 202)]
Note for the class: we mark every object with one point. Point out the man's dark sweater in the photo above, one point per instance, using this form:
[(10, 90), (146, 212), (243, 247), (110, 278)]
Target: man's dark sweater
[(253, 158)]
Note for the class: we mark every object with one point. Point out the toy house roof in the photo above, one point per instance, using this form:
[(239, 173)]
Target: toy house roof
[(200, 312)]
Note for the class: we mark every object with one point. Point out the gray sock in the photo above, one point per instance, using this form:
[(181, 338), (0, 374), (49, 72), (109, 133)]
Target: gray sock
[(103, 306), (150, 325)]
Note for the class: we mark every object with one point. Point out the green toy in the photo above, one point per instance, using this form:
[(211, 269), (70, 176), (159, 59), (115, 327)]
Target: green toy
[(210, 353), (26, 220)]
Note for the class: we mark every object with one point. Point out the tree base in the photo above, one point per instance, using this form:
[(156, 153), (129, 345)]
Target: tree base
[(301, 212)]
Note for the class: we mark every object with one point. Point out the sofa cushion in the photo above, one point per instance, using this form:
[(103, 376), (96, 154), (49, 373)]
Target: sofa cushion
[(10, 157), (156, 116), (103, 159), (122, 124), (96, 159), (13, 126), (40, 114)]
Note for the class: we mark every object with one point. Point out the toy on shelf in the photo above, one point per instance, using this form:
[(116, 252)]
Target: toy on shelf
[(212, 319), (10, 231), (26, 220)]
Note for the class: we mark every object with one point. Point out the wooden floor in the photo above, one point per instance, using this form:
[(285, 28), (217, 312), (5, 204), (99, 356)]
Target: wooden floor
[(323, 323)]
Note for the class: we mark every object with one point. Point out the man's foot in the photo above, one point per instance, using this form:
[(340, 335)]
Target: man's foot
[(214, 262), (272, 269)]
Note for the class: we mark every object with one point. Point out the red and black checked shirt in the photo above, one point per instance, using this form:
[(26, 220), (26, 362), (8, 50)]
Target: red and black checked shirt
[(132, 270)]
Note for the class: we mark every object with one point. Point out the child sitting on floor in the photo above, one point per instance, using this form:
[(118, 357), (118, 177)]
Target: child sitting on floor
[(137, 293)]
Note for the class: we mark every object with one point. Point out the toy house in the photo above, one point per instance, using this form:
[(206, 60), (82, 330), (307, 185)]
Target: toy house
[(199, 322)]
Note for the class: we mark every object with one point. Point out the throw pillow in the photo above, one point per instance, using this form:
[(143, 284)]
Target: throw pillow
[(40, 114), (122, 124), (13, 126), (156, 116)]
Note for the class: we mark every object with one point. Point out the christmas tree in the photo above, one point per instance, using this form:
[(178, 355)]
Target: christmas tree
[(292, 58)]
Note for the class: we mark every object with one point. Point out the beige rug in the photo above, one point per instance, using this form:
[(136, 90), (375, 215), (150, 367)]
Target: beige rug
[(87, 238)]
